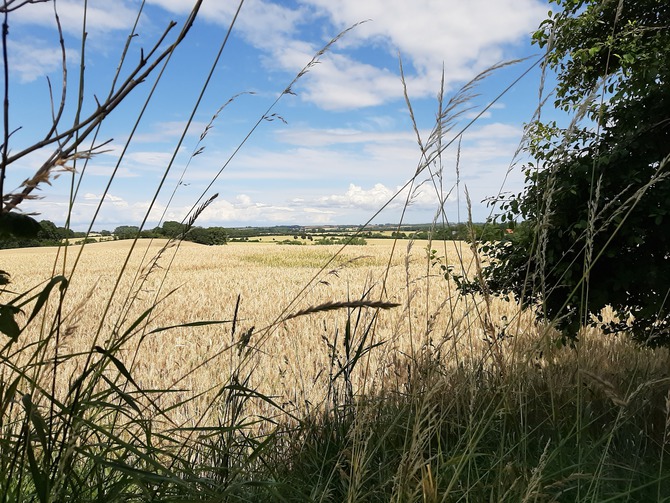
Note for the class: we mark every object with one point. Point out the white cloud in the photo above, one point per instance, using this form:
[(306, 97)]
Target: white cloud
[(99, 17), (243, 209), (261, 22), (459, 33), (32, 59), (474, 114), (374, 198), (150, 159), (115, 200), (341, 83), (308, 137), (465, 37)]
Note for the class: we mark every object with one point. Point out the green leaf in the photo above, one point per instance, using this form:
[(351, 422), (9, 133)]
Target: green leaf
[(44, 294), (40, 478), (8, 325), (125, 396), (36, 419), (118, 364), (7, 395)]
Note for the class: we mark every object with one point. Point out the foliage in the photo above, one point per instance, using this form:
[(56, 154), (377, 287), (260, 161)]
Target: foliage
[(176, 230), (172, 229), (595, 205), (44, 233), (126, 232), (207, 236), (488, 231), (17, 225)]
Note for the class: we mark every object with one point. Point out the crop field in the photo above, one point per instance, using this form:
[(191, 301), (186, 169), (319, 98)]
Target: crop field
[(291, 360)]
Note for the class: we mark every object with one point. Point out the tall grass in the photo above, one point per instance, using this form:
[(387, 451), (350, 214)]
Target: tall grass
[(422, 393)]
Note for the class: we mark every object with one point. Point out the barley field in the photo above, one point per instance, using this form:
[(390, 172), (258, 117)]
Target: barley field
[(290, 358)]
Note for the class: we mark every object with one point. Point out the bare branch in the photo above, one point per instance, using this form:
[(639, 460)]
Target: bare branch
[(12, 5), (71, 139), (57, 116)]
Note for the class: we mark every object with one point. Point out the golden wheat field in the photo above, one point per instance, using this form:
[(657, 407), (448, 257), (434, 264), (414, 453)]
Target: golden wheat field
[(286, 357)]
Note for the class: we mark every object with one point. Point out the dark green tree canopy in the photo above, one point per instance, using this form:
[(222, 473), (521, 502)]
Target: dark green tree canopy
[(596, 204), (172, 229), (207, 236), (126, 232)]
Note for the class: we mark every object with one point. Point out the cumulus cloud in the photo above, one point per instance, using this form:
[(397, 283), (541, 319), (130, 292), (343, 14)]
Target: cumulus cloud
[(430, 32), (463, 37), (342, 83), (71, 15), (32, 59), (379, 195), (263, 23), (242, 209)]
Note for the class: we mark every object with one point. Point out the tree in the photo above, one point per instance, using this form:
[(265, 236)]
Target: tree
[(207, 236), (172, 229), (595, 207), (48, 231), (126, 232)]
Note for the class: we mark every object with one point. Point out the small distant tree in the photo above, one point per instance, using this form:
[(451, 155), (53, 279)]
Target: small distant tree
[(126, 232), (150, 233), (207, 236), (172, 229), (218, 235), (64, 232)]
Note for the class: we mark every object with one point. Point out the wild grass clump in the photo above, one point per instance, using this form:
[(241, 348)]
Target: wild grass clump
[(546, 432)]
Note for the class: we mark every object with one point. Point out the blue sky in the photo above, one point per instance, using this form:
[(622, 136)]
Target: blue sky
[(337, 151)]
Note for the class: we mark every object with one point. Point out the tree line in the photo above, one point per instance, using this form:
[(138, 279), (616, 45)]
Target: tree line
[(48, 234), (176, 230)]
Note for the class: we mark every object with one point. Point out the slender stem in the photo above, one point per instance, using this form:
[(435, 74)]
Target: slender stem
[(5, 143), (56, 116)]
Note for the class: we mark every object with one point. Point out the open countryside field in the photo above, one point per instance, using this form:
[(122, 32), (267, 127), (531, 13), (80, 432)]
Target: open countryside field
[(290, 360), (466, 381)]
